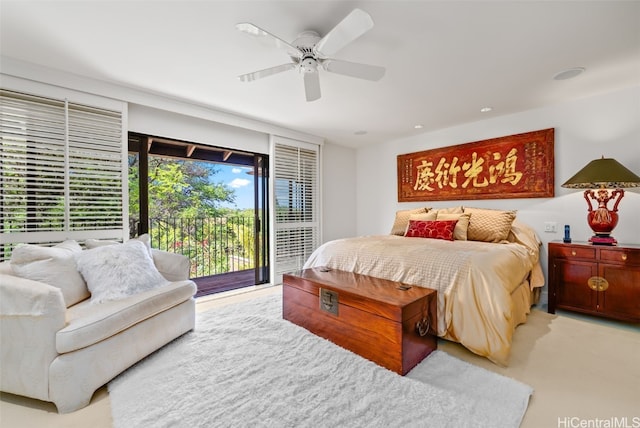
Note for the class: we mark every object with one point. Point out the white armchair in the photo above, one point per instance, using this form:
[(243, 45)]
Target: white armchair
[(63, 354)]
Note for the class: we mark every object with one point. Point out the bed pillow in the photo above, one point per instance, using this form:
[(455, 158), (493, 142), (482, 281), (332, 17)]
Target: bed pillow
[(433, 229), (55, 266), (402, 220), (431, 215), (462, 226), (114, 272), (489, 225), (450, 210)]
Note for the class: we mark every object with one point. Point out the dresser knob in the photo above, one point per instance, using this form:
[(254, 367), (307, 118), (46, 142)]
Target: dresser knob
[(624, 256), (598, 283), (573, 253)]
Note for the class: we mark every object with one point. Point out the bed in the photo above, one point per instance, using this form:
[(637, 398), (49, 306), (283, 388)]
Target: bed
[(485, 289)]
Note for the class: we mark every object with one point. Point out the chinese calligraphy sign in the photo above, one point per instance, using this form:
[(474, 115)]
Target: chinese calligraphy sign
[(516, 166)]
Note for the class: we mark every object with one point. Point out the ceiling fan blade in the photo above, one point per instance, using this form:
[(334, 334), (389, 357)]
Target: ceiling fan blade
[(354, 69), (272, 40), (350, 28), (312, 85), (266, 72)]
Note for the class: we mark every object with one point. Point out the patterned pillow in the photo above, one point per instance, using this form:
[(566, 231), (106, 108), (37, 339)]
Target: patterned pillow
[(489, 225), (402, 220), (431, 229), (431, 215), (460, 232)]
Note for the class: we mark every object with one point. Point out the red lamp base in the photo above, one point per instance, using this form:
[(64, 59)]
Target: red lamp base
[(602, 220), (603, 240)]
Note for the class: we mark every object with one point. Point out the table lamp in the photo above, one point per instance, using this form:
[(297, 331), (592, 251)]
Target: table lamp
[(608, 176)]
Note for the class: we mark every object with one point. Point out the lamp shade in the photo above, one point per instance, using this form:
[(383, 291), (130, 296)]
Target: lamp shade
[(603, 173)]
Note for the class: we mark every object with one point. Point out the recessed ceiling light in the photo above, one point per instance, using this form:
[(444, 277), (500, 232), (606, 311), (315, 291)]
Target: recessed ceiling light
[(486, 109), (418, 126), (361, 132), (569, 73)]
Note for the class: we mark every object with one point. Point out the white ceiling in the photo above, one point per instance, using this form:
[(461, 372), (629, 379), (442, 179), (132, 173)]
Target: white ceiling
[(445, 59)]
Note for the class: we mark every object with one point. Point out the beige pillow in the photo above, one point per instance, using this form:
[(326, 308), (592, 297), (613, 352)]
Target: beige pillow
[(489, 225), (430, 216), (55, 266), (462, 226), (402, 220), (450, 210)]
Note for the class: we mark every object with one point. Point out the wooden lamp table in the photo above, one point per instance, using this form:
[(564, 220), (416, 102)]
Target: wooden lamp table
[(593, 279)]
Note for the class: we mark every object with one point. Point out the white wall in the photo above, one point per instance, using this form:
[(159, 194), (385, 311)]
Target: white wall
[(586, 129), (162, 123), (338, 192)]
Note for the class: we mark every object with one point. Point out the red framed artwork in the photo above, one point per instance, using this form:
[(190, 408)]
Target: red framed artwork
[(516, 166)]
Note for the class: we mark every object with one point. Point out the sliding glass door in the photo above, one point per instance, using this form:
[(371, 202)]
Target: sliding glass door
[(207, 203)]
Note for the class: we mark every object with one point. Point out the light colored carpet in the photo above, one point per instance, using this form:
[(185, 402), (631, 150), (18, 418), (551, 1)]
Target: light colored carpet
[(245, 366)]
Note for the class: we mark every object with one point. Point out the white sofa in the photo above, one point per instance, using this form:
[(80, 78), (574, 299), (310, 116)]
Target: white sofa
[(62, 354)]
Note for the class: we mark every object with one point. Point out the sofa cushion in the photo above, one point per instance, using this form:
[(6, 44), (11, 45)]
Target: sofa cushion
[(5, 268), (116, 271), (95, 243), (174, 267), (52, 265), (91, 323)]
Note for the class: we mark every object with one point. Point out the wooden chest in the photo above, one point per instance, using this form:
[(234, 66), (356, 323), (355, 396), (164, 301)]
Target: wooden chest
[(387, 322)]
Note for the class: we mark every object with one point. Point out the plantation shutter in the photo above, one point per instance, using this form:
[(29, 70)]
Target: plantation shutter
[(95, 169), (297, 228), (61, 171)]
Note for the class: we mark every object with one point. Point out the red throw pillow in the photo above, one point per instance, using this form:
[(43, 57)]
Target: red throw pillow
[(435, 229)]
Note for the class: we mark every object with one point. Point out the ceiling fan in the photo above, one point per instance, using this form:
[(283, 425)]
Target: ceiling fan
[(310, 53)]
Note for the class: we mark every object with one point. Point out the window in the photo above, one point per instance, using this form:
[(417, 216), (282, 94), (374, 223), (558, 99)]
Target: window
[(297, 227), (61, 171)]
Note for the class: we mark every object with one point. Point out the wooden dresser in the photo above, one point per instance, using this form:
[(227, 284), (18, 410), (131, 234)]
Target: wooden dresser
[(595, 279)]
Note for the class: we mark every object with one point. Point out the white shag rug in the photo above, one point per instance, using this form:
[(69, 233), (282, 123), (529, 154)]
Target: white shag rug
[(245, 366)]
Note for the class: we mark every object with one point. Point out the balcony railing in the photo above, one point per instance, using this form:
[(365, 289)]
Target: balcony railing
[(214, 245)]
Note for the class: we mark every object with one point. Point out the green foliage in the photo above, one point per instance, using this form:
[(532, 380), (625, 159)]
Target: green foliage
[(186, 216), (184, 189)]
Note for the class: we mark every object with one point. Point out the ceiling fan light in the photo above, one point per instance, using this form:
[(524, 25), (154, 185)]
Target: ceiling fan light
[(309, 65)]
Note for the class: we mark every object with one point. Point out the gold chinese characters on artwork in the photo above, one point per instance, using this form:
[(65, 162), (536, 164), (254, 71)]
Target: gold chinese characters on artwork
[(516, 166)]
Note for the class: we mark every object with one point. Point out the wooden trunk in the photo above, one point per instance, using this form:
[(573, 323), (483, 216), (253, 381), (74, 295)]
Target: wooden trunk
[(376, 318)]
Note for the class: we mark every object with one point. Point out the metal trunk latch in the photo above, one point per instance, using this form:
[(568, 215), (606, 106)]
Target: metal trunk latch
[(329, 301)]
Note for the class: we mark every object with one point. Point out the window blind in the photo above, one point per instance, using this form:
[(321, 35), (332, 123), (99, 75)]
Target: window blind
[(296, 177), (61, 170)]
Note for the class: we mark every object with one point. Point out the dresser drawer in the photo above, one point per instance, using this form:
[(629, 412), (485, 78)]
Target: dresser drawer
[(585, 253), (621, 255)]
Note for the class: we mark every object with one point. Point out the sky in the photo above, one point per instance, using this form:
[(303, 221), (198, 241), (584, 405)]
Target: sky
[(241, 183)]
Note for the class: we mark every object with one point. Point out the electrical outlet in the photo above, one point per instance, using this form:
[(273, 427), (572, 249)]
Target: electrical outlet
[(550, 226)]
